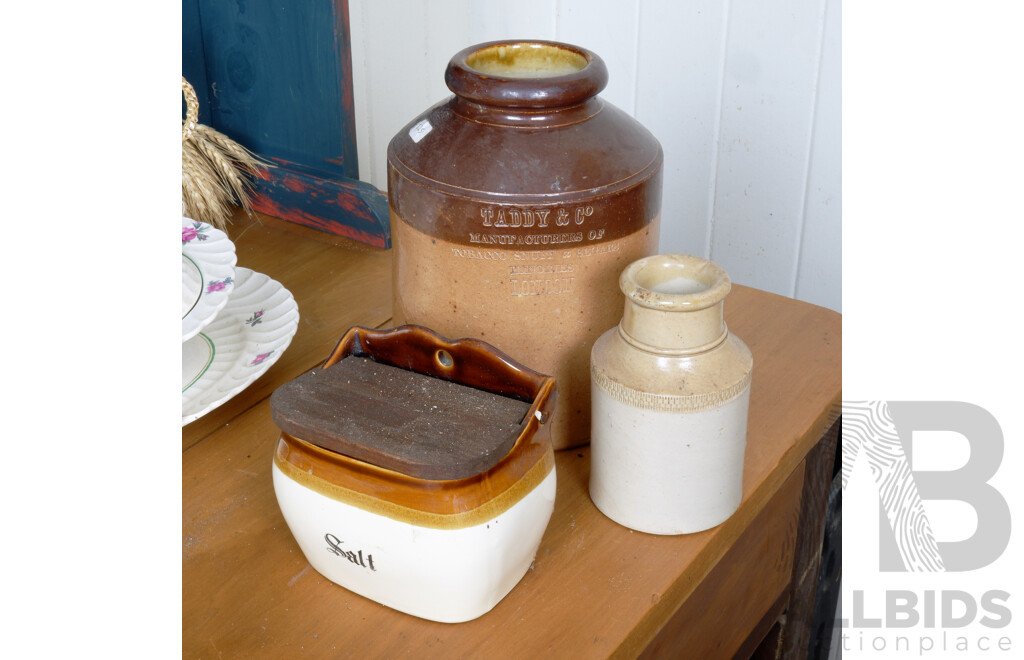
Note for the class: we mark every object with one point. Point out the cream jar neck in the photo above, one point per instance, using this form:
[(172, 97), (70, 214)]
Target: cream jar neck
[(673, 332), (674, 304)]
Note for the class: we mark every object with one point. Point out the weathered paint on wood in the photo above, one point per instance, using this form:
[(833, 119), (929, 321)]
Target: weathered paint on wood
[(346, 207), (278, 80)]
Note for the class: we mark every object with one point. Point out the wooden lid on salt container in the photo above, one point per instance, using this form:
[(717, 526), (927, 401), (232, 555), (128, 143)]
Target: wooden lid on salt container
[(413, 402)]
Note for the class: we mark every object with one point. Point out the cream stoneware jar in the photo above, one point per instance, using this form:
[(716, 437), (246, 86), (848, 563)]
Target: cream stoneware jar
[(401, 482), (670, 387)]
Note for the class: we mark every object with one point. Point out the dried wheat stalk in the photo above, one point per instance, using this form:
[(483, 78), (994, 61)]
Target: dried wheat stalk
[(216, 171)]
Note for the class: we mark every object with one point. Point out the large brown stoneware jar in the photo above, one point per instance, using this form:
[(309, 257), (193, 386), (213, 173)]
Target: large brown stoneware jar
[(516, 203)]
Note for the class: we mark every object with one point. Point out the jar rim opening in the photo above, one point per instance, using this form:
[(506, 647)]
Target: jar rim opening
[(675, 282), (527, 59), (526, 73)]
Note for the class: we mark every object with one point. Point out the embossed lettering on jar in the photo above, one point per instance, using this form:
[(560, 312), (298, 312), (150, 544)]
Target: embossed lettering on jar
[(516, 203)]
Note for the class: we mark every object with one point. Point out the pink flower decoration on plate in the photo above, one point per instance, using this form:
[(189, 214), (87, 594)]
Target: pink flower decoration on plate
[(193, 232), (260, 358), (218, 285)]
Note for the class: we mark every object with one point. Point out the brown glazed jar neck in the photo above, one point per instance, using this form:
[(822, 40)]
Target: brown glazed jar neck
[(526, 83)]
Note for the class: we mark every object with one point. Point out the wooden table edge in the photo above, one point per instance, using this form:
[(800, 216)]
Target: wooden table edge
[(706, 561)]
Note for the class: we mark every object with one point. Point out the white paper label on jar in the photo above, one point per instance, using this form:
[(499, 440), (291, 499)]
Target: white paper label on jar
[(420, 130)]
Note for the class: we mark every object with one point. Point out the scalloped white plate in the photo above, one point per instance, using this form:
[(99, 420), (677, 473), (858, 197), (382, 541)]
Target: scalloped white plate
[(207, 275), (248, 335)]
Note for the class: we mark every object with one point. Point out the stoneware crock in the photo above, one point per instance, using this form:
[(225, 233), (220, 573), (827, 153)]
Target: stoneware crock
[(671, 387), (432, 509), (516, 203)]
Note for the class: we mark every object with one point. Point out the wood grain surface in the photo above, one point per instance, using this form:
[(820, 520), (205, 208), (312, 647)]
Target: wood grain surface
[(398, 419), (595, 590)]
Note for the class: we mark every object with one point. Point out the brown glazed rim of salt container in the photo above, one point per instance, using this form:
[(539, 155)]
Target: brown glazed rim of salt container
[(510, 91), (439, 504)]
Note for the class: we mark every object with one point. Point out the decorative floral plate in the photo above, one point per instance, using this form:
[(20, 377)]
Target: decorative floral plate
[(207, 274), (248, 336)]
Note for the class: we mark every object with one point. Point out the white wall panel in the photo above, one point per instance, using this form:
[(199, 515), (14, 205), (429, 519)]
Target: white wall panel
[(387, 68), (768, 97), (743, 95), (400, 49), (821, 250), (679, 92), (609, 28)]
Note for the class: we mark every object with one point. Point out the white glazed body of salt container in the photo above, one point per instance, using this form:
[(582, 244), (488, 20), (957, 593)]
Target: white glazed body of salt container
[(446, 568), (445, 575), (670, 388)]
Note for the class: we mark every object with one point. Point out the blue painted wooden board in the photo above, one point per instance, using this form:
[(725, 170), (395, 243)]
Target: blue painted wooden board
[(276, 77), (193, 58)]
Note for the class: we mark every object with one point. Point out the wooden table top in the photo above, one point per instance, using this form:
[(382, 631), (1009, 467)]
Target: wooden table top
[(596, 589)]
